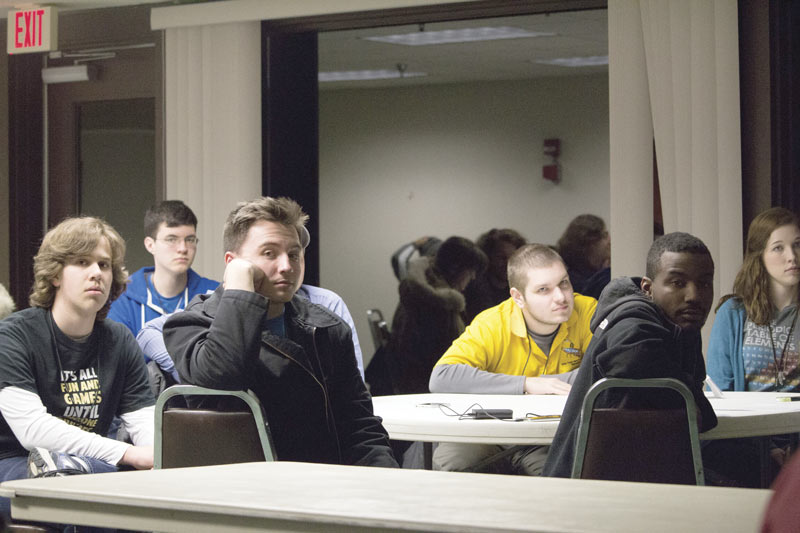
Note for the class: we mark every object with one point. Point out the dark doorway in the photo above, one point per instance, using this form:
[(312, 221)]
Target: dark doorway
[(116, 179)]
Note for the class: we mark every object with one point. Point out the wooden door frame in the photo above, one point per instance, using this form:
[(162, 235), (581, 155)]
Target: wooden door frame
[(120, 26), (25, 168)]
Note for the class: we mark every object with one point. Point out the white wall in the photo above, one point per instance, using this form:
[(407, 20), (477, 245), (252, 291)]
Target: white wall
[(397, 164)]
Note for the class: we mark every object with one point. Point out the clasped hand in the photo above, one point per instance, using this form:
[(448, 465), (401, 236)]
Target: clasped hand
[(546, 385)]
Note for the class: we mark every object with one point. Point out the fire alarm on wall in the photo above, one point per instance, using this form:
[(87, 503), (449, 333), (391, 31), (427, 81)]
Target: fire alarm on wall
[(552, 149)]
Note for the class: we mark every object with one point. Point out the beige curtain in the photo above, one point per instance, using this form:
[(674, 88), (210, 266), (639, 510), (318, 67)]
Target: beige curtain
[(674, 78), (213, 126), (630, 141)]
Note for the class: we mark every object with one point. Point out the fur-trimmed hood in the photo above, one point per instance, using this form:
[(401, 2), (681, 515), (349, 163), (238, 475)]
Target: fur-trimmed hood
[(427, 320)]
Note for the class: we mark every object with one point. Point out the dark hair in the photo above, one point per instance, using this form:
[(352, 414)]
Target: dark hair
[(678, 242), (527, 257), (457, 255), (172, 213), (494, 237), (751, 286), (577, 241)]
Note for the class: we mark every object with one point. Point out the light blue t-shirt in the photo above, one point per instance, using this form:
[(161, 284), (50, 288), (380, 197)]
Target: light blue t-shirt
[(167, 305)]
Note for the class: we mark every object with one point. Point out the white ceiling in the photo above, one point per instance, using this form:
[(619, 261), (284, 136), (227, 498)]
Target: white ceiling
[(578, 34)]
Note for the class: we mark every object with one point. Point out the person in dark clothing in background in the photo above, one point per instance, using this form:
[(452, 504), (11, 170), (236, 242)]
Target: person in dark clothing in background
[(410, 252), (254, 332), (645, 328), (585, 247), (491, 288), (430, 314)]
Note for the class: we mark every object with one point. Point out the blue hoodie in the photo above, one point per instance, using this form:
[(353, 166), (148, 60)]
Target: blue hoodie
[(136, 305)]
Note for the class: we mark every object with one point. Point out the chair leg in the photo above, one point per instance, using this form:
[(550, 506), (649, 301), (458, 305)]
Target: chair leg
[(427, 455), (765, 462)]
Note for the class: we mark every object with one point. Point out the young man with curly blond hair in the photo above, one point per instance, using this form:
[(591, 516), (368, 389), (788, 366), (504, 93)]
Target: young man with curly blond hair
[(65, 371)]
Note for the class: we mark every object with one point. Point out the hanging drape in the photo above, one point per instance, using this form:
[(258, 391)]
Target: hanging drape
[(674, 84)]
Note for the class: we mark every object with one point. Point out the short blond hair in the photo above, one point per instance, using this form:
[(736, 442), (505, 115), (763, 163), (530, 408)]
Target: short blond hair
[(528, 257), (72, 238)]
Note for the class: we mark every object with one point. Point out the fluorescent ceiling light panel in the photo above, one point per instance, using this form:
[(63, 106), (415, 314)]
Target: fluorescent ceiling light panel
[(591, 61), (360, 75), (424, 38)]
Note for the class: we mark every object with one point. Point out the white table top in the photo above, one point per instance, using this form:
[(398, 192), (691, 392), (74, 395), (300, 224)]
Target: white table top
[(754, 414), (298, 496), (411, 417), (405, 417)]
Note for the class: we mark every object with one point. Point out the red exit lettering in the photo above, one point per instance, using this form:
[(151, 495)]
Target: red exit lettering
[(28, 26)]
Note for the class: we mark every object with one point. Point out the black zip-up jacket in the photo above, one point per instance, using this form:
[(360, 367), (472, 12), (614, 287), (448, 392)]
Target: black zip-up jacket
[(316, 404), (632, 338)]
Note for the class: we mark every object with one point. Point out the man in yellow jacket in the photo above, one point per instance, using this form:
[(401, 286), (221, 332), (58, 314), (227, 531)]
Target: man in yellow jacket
[(532, 343)]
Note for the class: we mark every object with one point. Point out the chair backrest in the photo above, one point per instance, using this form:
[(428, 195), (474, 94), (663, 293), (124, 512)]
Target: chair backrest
[(201, 437), (646, 445), (378, 328)]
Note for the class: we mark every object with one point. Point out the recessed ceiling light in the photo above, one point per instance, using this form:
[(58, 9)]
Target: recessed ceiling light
[(361, 75), (423, 38), (591, 61)]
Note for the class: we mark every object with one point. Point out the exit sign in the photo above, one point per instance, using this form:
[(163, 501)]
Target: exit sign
[(32, 30)]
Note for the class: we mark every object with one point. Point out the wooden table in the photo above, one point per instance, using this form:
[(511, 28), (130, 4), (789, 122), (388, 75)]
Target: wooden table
[(284, 496)]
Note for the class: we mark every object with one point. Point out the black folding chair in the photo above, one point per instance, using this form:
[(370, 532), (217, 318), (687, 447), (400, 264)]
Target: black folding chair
[(647, 445), (200, 437), (378, 328)]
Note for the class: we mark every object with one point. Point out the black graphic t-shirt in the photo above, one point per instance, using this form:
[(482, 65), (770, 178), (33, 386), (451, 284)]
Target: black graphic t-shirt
[(85, 384), (79, 385)]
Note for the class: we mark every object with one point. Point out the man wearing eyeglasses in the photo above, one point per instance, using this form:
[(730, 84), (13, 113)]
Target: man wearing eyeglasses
[(168, 286)]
